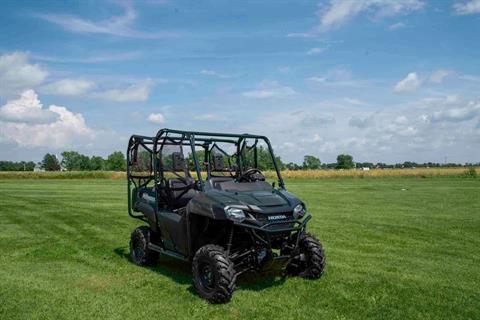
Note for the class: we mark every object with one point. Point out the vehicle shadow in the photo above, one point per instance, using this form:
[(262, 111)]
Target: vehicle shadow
[(176, 270), (259, 281), (180, 272)]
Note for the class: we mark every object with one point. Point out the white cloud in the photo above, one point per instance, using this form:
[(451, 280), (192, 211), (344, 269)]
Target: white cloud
[(308, 119), (156, 118), (208, 72), (68, 87), (31, 128), (314, 51), (469, 77), (422, 131), (458, 114), (213, 73), (338, 74), (338, 12), (91, 59), (439, 75), (356, 102), (410, 83), (401, 126), (396, 26), (136, 92), (317, 79), (270, 89), (359, 122), (317, 137), (115, 25), (340, 77), (466, 7), (26, 109), (210, 117), (17, 74), (300, 35)]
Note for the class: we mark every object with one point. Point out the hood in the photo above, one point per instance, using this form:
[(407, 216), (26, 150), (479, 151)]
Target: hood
[(257, 201), (255, 198)]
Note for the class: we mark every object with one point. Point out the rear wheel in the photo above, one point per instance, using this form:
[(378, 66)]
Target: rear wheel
[(311, 262), (139, 251), (213, 274)]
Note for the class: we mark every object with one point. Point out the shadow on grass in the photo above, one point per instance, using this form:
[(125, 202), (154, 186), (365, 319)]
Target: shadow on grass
[(176, 270), (180, 272)]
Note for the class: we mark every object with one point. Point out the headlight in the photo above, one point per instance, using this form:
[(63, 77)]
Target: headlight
[(299, 211), (235, 214)]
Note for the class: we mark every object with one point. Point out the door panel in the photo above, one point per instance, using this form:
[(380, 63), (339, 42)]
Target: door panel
[(173, 230)]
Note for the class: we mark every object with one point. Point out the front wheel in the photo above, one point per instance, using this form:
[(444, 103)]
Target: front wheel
[(311, 261), (140, 253), (213, 274)]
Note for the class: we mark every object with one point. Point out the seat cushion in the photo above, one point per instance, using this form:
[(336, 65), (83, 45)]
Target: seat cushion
[(180, 198), (216, 181)]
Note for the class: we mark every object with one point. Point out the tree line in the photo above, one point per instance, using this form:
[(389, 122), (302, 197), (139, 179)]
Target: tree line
[(70, 161), (75, 161)]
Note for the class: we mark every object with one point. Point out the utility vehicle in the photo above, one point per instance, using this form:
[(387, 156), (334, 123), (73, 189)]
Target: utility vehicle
[(207, 202)]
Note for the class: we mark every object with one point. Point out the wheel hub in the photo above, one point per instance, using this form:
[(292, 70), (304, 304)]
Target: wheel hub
[(139, 252), (206, 276)]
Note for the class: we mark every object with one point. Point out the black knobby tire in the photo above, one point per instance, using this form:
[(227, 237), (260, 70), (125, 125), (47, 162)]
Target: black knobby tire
[(139, 251), (312, 262), (213, 274)]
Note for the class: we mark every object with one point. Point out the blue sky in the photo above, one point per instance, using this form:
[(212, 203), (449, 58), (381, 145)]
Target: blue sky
[(382, 80)]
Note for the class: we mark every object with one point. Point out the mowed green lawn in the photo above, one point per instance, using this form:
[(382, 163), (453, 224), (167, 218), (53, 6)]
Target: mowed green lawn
[(401, 248)]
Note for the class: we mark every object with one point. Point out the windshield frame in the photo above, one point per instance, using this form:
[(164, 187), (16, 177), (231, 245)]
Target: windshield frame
[(204, 139)]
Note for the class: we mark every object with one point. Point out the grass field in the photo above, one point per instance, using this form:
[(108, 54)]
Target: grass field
[(397, 248)]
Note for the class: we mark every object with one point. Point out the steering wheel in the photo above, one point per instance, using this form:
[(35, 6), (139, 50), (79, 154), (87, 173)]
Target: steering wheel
[(252, 175), (188, 184)]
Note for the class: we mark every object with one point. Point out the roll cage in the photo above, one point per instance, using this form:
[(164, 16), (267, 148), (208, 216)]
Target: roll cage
[(147, 166)]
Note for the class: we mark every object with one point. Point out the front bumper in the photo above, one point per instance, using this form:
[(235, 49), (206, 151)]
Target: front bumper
[(276, 226), (270, 236)]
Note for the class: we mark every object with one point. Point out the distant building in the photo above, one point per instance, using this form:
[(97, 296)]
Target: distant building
[(38, 168)]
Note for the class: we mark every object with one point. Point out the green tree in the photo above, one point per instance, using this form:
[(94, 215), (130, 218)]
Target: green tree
[(365, 165), (69, 159), (116, 162), (200, 155), (311, 162), (409, 164), (72, 160), (293, 166), (50, 163), (83, 163), (97, 163), (264, 159), (344, 161), (27, 166), (17, 166)]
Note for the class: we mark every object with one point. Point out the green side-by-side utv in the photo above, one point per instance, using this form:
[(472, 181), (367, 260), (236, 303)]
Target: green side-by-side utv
[(206, 201)]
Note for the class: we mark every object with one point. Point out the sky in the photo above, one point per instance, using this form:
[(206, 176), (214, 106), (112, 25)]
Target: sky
[(382, 80)]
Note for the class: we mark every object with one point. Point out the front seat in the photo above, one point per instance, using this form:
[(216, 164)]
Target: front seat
[(218, 166), (180, 191)]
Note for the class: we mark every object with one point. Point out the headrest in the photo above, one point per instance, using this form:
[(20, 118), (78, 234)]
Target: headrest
[(217, 162), (178, 162)]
